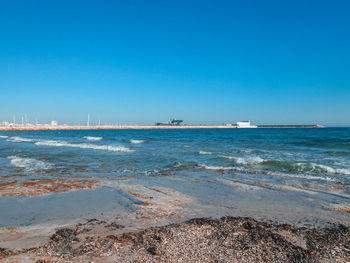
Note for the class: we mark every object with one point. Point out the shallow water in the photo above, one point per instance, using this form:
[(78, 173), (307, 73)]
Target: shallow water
[(268, 170)]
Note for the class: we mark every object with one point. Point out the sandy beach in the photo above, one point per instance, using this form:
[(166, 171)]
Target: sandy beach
[(228, 239)]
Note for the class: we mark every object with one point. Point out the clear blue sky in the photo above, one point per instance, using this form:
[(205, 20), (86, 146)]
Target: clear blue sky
[(138, 62)]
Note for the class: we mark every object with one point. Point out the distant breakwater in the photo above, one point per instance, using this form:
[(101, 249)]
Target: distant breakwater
[(145, 127)]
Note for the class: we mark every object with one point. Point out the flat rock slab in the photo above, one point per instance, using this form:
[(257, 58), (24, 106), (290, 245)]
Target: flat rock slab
[(26, 211)]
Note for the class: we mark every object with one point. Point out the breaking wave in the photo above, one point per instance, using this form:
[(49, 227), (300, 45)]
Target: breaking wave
[(91, 138), (301, 167), (244, 160), (111, 148), (3, 136), (137, 141), (270, 173), (333, 170), (220, 168), (204, 152), (19, 139), (259, 163), (29, 164)]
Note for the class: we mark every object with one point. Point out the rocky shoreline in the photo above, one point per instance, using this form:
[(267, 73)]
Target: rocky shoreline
[(228, 239)]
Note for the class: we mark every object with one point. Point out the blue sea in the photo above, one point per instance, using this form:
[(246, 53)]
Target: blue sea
[(293, 175)]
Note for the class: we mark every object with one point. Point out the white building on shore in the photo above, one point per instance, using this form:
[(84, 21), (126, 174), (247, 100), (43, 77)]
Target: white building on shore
[(5, 124), (243, 124)]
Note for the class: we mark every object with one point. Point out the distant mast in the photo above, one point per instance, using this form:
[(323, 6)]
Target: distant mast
[(88, 120)]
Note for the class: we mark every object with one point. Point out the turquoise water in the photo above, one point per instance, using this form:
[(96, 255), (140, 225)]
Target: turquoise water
[(282, 159), (311, 152)]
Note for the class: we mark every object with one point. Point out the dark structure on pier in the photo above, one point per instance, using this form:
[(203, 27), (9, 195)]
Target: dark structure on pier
[(171, 122)]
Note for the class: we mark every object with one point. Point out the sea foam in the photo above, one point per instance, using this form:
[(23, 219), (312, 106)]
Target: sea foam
[(331, 170), (205, 153), (286, 166), (3, 136), (302, 167), (244, 160), (269, 173), (218, 168), (111, 148), (91, 138), (29, 164), (137, 141), (19, 139)]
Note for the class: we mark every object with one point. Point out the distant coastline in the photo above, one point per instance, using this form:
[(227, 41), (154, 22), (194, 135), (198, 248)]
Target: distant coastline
[(143, 127)]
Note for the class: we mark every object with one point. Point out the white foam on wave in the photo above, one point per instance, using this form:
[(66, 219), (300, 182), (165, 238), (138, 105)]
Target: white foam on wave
[(111, 148), (19, 139), (314, 167), (29, 164), (343, 171), (332, 170), (137, 141), (217, 168), (246, 151), (269, 173), (300, 167), (92, 138), (328, 169), (3, 136), (244, 160), (299, 176), (204, 152)]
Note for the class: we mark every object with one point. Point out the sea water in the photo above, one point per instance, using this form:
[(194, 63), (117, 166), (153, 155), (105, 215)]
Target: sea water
[(268, 171)]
